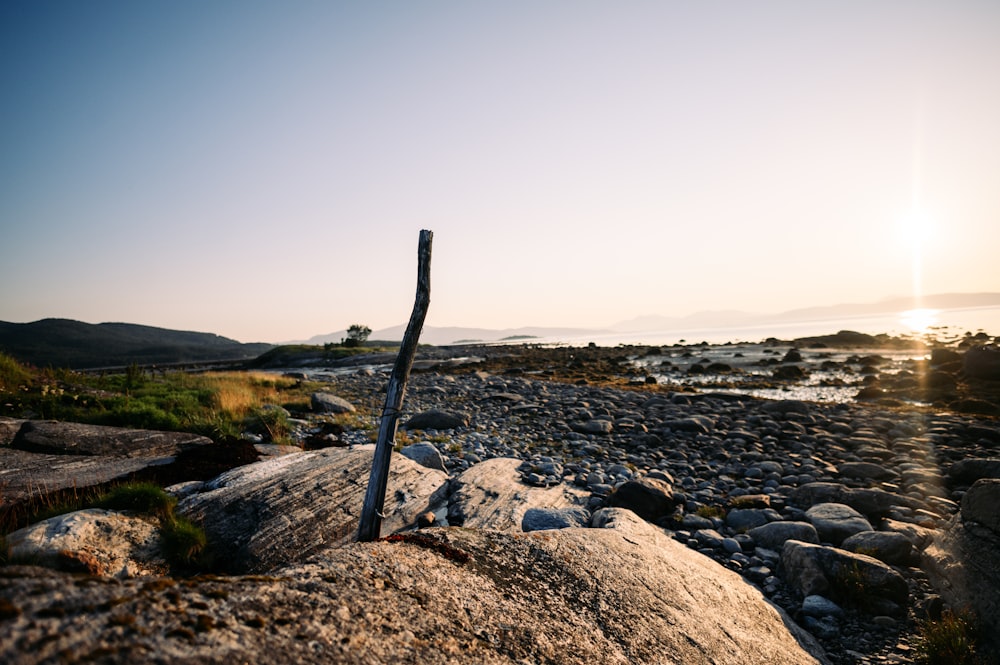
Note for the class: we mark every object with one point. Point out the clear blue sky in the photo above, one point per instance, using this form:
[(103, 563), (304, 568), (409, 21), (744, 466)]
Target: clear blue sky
[(261, 169)]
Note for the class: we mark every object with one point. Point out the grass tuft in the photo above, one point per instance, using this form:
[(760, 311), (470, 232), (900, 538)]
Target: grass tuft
[(146, 498), (950, 640), (183, 541)]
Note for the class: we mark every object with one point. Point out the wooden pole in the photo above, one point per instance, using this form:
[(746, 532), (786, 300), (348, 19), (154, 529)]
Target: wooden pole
[(371, 511)]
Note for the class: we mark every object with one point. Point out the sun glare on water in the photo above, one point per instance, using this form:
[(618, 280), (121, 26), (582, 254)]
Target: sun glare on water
[(919, 320)]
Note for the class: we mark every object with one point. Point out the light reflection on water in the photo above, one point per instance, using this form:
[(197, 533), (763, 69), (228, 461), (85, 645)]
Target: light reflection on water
[(920, 321), (832, 375), (945, 325)]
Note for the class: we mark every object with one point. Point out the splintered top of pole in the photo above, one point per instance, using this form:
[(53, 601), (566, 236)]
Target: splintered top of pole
[(371, 519), (419, 313)]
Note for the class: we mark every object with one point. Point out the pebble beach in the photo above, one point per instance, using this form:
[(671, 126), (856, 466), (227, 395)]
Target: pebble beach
[(597, 418)]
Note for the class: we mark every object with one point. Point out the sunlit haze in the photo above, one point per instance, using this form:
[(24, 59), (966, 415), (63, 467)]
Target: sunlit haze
[(261, 170)]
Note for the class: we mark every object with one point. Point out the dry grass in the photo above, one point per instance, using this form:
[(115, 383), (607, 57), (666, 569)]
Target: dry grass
[(237, 394)]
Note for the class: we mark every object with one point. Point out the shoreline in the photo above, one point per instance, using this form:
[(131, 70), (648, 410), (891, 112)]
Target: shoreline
[(538, 406)]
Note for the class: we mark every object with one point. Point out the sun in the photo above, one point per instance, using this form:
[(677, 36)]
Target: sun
[(916, 228)]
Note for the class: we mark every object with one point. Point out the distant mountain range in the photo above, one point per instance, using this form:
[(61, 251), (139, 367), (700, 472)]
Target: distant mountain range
[(733, 318), (657, 323), (78, 345)]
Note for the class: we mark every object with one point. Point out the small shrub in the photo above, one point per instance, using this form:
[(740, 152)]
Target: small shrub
[(949, 640)]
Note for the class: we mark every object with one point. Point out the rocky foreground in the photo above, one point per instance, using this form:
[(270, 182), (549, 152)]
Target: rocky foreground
[(599, 524)]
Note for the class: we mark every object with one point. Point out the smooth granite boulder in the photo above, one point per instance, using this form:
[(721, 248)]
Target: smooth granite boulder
[(649, 498), (889, 547), (287, 508), (772, 536), (490, 495), (834, 521), (329, 403), (844, 576), (424, 454), (609, 596)]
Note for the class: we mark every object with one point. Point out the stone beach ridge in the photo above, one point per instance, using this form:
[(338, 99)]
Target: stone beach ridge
[(852, 517), (784, 459)]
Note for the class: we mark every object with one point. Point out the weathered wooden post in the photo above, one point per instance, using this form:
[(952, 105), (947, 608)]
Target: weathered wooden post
[(371, 511)]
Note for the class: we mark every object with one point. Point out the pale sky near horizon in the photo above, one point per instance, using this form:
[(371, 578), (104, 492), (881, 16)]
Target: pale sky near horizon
[(261, 170)]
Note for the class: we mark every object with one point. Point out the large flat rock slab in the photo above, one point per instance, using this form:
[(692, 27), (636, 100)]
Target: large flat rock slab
[(47, 456), (490, 495), (282, 510), (570, 597)]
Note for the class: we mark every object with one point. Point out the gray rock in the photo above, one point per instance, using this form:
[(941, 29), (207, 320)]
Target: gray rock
[(920, 537), (490, 495), (695, 424), (968, 471), (94, 541), (890, 547), (963, 562), (593, 427), (603, 596), (649, 498), (866, 471), (834, 521), (327, 403), (708, 538), (983, 362), (9, 427), (873, 503), (981, 504), (825, 628), (540, 519), (786, 406), (285, 509), (45, 456), (731, 545), (828, 571), (424, 454), (820, 606), (773, 535), (694, 522), (743, 519), (436, 419)]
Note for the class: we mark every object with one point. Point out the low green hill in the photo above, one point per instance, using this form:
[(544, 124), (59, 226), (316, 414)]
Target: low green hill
[(78, 345)]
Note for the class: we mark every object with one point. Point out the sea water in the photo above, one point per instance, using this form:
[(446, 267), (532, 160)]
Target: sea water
[(942, 324)]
